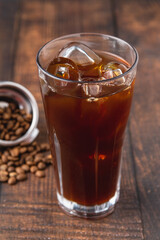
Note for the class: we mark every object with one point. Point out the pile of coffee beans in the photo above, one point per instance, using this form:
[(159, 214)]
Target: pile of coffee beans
[(14, 122), (16, 162)]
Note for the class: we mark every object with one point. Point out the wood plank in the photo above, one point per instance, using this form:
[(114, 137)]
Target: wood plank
[(34, 206), (141, 28), (9, 27), (30, 39), (84, 16)]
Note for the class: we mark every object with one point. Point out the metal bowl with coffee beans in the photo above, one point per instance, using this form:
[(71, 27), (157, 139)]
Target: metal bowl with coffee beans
[(19, 114)]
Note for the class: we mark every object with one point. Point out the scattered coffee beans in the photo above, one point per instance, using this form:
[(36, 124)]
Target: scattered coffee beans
[(3, 177), (14, 123), (40, 173), (12, 180), (16, 162)]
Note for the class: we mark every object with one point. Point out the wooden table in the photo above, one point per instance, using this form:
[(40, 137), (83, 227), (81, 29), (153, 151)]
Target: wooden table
[(29, 210)]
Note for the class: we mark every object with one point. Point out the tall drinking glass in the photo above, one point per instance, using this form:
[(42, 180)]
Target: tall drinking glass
[(86, 121)]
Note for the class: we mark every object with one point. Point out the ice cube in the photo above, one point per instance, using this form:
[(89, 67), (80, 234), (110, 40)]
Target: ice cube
[(112, 65), (116, 73), (110, 71), (106, 74), (63, 68), (91, 90), (80, 54)]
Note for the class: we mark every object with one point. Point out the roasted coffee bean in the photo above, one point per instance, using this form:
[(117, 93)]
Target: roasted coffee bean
[(12, 180), (7, 137), (14, 115), (4, 158), (41, 165), (22, 111), (39, 156), (3, 167), (27, 125), (33, 153), (19, 131), (16, 126), (11, 133), (19, 170), (40, 173), (10, 163), (8, 110), (48, 159), (23, 156), (20, 118), (29, 158), (28, 117), (37, 160), (6, 153), (23, 123), (38, 149), (3, 172), (34, 143), (14, 152), (33, 169), (25, 167), (30, 163), (13, 138), (10, 124), (11, 169), (21, 161), (44, 146), (13, 158), (3, 134), (23, 150), (6, 116), (1, 127), (17, 163), (12, 174), (3, 178), (21, 177), (30, 149), (23, 144)]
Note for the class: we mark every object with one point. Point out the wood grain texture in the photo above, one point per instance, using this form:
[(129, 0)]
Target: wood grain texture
[(144, 33), (35, 18), (9, 28), (29, 210)]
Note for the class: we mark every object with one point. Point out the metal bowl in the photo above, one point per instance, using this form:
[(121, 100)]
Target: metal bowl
[(14, 92)]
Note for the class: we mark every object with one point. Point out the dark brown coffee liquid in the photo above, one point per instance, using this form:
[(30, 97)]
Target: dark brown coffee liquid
[(86, 137)]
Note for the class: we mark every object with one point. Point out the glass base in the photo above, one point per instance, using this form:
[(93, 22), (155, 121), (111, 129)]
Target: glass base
[(97, 211)]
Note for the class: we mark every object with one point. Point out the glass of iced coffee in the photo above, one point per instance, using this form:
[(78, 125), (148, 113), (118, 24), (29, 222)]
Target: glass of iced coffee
[(87, 83)]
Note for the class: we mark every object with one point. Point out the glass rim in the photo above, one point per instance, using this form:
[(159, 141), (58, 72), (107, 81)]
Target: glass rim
[(82, 81)]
